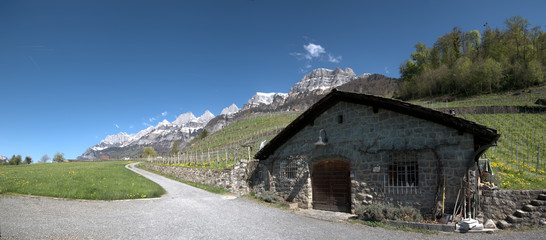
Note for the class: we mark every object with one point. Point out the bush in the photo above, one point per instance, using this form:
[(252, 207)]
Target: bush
[(372, 212), (381, 212), (408, 214), (269, 197)]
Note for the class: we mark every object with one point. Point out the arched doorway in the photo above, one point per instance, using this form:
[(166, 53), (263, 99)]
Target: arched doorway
[(331, 184)]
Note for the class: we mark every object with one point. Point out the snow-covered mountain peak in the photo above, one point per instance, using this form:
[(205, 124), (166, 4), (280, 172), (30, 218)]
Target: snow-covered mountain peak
[(184, 119), (163, 123), (265, 98), (115, 139), (230, 110), (323, 79), (206, 117), (261, 98)]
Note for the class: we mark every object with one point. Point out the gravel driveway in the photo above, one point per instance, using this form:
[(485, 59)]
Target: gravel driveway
[(185, 213)]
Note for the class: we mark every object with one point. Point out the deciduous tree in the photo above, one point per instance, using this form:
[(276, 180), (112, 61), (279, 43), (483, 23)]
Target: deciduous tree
[(15, 160), (148, 152), (58, 158)]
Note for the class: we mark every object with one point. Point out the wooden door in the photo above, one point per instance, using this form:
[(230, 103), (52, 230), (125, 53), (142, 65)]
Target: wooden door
[(331, 184)]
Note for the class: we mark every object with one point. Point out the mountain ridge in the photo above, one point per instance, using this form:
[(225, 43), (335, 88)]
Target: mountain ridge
[(186, 126)]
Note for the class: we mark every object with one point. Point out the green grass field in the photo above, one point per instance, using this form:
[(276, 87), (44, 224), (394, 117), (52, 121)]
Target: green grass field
[(78, 180)]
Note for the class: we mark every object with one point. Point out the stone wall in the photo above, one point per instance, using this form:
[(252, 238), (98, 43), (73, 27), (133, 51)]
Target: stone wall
[(235, 179), (368, 140), (498, 204)]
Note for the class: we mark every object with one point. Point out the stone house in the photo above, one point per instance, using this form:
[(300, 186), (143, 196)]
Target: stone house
[(352, 149)]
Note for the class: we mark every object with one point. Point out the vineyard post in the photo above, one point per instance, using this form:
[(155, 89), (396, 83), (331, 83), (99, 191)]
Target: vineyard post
[(249, 153), (517, 148), (226, 150), (538, 158), (208, 156)]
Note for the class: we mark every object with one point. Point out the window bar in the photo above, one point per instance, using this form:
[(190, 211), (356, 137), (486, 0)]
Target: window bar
[(398, 173), (406, 169), (415, 173)]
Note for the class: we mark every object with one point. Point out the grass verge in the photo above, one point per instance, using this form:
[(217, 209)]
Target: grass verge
[(79, 180), (208, 188), (280, 205)]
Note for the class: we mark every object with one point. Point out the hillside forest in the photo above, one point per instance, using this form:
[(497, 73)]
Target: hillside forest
[(468, 63)]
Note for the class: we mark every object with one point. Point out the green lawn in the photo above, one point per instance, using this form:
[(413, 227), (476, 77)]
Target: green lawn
[(79, 180)]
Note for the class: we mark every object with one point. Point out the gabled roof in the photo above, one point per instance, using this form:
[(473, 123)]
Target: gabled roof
[(482, 134)]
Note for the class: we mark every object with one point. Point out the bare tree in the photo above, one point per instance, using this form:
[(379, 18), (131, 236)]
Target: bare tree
[(44, 158)]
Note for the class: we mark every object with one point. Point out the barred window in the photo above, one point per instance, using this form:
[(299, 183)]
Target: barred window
[(289, 169), (402, 173)]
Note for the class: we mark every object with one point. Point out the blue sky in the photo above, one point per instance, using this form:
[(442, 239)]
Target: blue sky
[(72, 72)]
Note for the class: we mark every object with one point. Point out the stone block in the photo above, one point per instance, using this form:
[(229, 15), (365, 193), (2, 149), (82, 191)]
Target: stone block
[(502, 224), (513, 219), (361, 196)]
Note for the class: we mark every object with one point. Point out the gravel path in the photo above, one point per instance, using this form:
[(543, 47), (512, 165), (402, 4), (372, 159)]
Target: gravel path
[(185, 213)]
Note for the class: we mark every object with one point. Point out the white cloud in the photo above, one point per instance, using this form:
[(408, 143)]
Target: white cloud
[(117, 126), (151, 119), (130, 127), (387, 70), (298, 55), (333, 59), (313, 50), (164, 114), (146, 124)]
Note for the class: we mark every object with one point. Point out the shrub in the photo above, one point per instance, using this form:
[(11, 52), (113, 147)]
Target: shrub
[(269, 197), (372, 212), (408, 214), (380, 212)]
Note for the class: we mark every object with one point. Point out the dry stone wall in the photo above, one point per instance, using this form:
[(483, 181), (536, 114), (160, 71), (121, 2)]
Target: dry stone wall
[(234, 179), (499, 204)]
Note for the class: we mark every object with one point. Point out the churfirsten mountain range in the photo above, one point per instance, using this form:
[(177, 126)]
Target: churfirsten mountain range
[(186, 127)]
